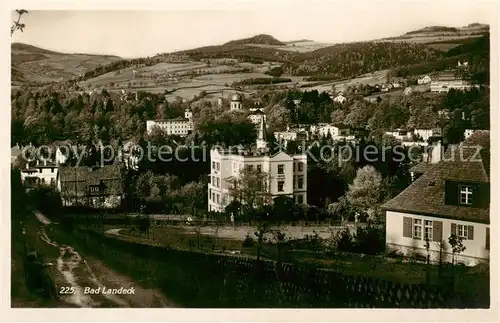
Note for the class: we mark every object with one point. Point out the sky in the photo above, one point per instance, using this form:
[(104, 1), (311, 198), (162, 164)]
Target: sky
[(139, 33)]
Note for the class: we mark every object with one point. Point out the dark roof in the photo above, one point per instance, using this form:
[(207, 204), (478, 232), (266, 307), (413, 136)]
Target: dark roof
[(83, 177), (422, 198), (258, 112)]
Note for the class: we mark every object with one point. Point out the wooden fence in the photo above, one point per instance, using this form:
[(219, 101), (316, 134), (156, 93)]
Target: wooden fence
[(196, 279)]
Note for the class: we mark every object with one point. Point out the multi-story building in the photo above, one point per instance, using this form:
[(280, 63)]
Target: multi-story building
[(337, 132), (256, 116), (447, 81), (177, 126), (39, 173), (287, 174)]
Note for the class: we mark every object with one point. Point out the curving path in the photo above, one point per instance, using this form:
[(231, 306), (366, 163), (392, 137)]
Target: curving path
[(77, 273)]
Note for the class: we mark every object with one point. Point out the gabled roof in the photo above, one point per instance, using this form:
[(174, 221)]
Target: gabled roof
[(257, 112), (469, 162)]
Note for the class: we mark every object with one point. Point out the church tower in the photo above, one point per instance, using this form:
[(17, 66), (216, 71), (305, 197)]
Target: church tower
[(262, 135)]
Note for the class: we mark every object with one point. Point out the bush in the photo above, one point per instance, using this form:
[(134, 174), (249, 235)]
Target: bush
[(248, 242), (345, 241), (369, 240)]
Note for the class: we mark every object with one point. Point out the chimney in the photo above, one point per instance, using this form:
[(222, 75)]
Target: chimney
[(436, 152)]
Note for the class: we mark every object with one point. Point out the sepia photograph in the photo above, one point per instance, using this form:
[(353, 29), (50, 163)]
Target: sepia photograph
[(325, 156)]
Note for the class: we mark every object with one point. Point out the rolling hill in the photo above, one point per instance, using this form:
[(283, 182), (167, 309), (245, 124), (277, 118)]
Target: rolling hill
[(261, 39), (442, 37), (222, 65), (34, 65)]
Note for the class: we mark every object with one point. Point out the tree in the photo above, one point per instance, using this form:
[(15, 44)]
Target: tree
[(338, 116), (262, 231), (278, 117), (457, 247), (251, 188), (17, 25), (194, 194), (364, 192), (280, 239)]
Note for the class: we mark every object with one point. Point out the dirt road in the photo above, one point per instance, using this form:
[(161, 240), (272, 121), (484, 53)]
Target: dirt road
[(86, 281)]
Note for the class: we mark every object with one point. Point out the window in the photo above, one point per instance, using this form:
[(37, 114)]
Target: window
[(259, 168), (218, 182), (213, 165), (218, 166), (301, 166), (462, 231), (281, 169), (466, 195), (250, 168), (281, 185), (300, 182), (218, 199), (213, 181), (94, 189), (417, 228), (300, 199), (428, 229)]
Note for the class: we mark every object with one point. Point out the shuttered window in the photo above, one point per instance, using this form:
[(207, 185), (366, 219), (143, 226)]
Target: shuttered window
[(466, 232), (418, 229)]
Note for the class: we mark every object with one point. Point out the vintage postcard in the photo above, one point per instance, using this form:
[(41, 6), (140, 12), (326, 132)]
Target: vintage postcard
[(333, 156)]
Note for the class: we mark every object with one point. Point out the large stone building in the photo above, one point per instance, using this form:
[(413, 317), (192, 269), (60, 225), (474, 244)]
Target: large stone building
[(447, 81), (178, 126)]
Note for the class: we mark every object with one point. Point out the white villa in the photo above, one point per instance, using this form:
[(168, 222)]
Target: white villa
[(41, 173), (337, 132), (287, 173)]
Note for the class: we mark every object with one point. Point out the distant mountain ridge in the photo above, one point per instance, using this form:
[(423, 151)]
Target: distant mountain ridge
[(317, 61), (261, 39)]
